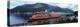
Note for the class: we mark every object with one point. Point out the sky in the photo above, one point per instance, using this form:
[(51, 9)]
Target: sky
[(68, 4)]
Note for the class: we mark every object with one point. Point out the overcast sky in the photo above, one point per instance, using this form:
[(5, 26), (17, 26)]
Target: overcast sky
[(68, 4)]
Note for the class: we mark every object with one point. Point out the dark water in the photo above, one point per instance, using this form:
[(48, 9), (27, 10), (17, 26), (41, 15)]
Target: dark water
[(16, 20)]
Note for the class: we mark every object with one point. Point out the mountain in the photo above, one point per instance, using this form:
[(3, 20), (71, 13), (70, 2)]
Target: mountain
[(30, 8), (39, 7), (58, 9)]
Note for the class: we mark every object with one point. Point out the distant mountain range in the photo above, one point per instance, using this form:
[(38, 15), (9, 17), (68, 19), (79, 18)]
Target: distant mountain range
[(39, 7)]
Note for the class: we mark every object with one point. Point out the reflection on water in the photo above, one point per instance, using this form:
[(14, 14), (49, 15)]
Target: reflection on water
[(15, 20)]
